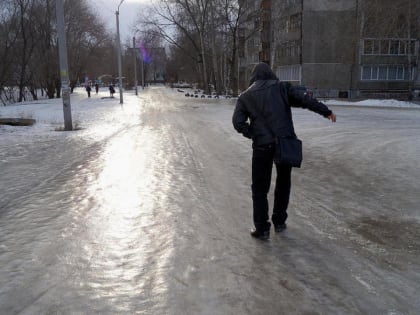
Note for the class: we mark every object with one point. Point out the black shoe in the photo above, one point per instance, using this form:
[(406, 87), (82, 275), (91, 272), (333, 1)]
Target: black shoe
[(261, 235), (280, 227)]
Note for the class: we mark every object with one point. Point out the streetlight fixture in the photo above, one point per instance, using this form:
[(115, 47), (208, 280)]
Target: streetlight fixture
[(117, 13)]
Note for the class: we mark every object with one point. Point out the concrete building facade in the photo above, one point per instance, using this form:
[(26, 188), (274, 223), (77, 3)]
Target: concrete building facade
[(346, 48)]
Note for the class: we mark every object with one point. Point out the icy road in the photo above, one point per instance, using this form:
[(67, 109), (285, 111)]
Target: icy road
[(147, 210)]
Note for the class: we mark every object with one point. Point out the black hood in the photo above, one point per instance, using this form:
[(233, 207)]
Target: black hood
[(262, 71)]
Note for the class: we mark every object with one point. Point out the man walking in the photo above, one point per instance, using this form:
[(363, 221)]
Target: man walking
[(88, 89), (263, 109)]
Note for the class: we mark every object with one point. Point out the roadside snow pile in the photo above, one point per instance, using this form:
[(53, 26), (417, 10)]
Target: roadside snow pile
[(375, 103), (95, 112)]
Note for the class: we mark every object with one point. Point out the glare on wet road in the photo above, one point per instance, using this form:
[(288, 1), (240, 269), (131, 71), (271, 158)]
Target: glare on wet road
[(147, 210), (95, 230), (122, 230)]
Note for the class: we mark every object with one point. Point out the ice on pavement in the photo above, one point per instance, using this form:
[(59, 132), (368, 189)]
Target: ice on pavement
[(146, 208)]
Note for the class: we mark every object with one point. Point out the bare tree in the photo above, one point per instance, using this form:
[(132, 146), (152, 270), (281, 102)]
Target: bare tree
[(182, 67), (233, 14), (8, 38), (188, 17), (45, 61), (389, 19), (29, 52), (87, 39), (26, 44), (207, 32)]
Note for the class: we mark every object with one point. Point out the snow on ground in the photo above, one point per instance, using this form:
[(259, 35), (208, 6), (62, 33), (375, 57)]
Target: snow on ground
[(88, 114), (85, 111)]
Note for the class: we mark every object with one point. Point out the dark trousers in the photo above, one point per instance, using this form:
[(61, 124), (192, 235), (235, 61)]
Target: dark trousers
[(262, 165)]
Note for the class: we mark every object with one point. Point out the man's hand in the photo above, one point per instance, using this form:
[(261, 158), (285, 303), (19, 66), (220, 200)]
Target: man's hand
[(332, 117)]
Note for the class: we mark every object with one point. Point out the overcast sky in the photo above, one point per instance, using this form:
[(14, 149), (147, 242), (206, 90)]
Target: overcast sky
[(129, 10)]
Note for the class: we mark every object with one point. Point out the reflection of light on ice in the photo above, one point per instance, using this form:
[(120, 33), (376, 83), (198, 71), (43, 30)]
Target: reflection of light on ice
[(126, 226), (124, 172)]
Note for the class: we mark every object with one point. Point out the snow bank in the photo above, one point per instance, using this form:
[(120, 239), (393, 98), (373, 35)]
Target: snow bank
[(375, 103)]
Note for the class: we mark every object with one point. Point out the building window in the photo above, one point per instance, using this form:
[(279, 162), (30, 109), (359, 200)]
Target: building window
[(292, 3), (411, 47), (401, 47), (289, 49), (392, 73), (383, 73), (289, 73), (250, 44), (394, 48), (384, 50), (386, 73), (368, 47), (293, 23)]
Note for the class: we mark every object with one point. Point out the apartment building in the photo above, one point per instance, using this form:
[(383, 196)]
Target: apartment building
[(343, 48)]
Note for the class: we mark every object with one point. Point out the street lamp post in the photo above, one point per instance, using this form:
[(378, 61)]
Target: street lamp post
[(135, 64), (117, 13), (142, 72), (64, 75)]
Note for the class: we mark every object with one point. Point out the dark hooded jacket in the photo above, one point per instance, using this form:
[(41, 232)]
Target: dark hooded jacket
[(268, 102)]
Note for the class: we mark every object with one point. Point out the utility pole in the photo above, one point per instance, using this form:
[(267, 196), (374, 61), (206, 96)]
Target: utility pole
[(140, 48), (64, 75), (117, 13), (142, 72), (135, 64)]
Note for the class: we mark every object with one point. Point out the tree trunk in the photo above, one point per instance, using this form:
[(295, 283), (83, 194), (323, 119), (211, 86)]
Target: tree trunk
[(21, 85), (50, 89), (33, 93), (205, 80), (233, 73), (217, 81), (58, 87)]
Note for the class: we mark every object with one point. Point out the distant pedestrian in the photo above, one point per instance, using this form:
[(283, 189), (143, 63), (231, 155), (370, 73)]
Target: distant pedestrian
[(263, 114), (96, 87), (111, 90), (88, 89)]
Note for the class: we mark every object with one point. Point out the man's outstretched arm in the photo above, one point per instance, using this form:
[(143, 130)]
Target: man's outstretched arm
[(296, 99)]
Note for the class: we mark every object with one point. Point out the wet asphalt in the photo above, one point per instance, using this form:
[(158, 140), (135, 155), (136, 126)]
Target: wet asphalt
[(148, 209)]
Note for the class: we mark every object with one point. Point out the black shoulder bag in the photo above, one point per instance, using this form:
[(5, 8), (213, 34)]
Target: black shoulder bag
[(288, 151)]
